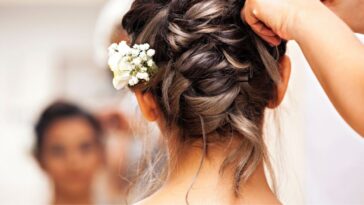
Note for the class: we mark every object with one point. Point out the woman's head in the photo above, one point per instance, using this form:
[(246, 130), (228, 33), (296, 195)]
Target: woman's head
[(216, 76), (68, 147)]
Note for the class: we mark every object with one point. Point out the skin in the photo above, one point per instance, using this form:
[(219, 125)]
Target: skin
[(351, 11), (321, 35), (71, 156), (210, 187)]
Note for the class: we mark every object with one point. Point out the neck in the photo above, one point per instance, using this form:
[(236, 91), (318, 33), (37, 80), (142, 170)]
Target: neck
[(62, 197), (209, 184)]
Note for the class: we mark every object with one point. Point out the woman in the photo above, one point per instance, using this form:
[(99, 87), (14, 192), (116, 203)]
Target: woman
[(336, 56), (213, 80), (68, 149)]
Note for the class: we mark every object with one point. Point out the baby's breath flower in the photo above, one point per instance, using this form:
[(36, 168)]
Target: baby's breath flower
[(114, 61), (143, 76), (150, 63), (133, 81), (120, 81), (131, 65), (143, 56), (135, 52), (151, 52), (137, 61), (144, 69), (144, 47), (113, 49), (123, 48)]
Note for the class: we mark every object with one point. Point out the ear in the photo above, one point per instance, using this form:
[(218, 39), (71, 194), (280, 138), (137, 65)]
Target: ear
[(147, 105), (285, 71)]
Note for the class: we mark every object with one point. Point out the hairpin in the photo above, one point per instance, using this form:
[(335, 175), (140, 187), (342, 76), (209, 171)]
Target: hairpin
[(245, 76), (131, 65)]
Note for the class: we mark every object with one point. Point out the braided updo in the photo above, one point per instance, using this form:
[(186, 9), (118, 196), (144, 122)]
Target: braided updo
[(216, 76)]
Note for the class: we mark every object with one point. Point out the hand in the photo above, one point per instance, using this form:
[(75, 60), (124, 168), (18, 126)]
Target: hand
[(275, 19), (351, 11)]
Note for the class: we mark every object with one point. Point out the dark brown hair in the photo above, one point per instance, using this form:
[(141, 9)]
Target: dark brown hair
[(216, 76)]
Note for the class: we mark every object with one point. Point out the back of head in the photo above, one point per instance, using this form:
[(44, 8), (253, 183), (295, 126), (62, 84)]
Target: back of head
[(216, 76)]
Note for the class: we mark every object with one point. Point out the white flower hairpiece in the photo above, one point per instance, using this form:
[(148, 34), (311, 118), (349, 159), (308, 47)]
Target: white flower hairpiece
[(131, 65)]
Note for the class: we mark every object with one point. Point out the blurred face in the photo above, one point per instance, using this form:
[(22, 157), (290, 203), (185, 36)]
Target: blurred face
[(71, 155)]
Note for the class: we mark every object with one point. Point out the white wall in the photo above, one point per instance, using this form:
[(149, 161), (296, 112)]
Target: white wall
[(335, 154), (42, 48), (288, 151)]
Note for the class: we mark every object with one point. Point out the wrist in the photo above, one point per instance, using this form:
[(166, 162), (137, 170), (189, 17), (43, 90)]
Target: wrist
[(304, 20)]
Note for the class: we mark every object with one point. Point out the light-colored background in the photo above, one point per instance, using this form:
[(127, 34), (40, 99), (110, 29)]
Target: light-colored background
[(46, 51)]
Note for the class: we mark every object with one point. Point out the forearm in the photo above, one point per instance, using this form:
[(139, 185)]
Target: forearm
[(337, 59)]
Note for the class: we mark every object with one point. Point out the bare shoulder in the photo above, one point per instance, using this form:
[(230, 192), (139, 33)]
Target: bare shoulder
[(144, 202), (161, 198), (151, 200)]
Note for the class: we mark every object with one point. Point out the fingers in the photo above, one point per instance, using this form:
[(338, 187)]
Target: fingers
[(266, 33), (259, 27)]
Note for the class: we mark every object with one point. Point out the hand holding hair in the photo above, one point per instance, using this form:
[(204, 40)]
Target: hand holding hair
[(335, 55)]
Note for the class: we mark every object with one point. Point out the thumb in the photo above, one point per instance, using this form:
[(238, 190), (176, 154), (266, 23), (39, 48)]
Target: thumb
[(252, 18)]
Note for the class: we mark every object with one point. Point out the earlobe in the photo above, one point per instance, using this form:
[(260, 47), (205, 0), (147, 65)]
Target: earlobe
[(285, 71), (147, 105)]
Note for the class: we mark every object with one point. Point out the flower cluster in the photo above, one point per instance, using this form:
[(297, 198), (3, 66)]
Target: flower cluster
[(131, 65)]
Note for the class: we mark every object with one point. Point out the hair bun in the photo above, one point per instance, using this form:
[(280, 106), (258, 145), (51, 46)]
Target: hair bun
[(216, 75), (206, 52)]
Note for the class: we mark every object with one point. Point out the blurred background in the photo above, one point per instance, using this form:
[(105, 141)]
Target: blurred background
[(56, 50)]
